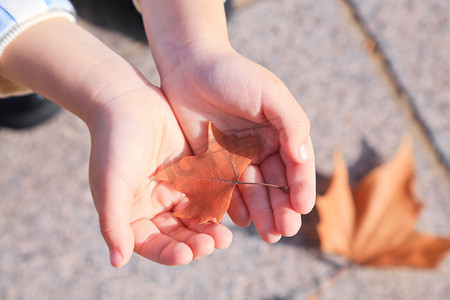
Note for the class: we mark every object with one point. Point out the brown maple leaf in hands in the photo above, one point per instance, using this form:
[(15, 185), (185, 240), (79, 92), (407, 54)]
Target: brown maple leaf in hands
[(208, 179)]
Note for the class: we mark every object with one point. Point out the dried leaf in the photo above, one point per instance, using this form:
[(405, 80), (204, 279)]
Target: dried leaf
[(374, 224), (337, 216), (208, 180), (419, 250)]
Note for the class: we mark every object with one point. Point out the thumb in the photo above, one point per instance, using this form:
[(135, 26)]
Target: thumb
[(114, 220), (119, 238), (290, 120), (286, 115)]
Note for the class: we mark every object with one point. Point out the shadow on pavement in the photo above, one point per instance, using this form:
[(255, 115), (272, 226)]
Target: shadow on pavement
[(117, 15)]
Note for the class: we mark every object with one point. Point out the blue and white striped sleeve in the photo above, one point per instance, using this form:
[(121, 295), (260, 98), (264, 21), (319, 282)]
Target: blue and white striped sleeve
[(18, 15)]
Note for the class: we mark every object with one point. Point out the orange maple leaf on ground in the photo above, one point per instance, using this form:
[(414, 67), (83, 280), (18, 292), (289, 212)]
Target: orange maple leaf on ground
[(208, 180), (373, 224)]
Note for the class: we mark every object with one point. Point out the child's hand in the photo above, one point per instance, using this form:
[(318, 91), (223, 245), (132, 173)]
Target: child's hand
[(133, 131), (241, 96), (205, 79), (131, 138)]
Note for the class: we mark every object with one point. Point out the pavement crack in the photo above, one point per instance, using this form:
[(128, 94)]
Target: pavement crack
[(403, 97)]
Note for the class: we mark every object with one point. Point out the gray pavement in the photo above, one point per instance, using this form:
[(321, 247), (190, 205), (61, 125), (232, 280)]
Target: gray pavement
[(415, 38), (50, 244)]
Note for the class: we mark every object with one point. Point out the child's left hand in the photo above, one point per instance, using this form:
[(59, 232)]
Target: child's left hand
[(241, 96)]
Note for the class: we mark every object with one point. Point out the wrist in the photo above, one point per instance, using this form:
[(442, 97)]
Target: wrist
[(110, 81), (193, 56), (143, 107), (78, 73), (178, 29)]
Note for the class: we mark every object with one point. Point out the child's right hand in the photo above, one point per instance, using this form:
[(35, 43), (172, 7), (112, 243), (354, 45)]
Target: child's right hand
[(132, 135), (133, 131)]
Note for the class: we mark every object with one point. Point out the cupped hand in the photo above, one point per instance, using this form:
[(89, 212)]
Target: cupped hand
[(242, 97), (133, 134)]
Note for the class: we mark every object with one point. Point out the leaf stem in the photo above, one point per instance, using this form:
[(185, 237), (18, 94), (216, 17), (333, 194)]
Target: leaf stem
[(281, 188)]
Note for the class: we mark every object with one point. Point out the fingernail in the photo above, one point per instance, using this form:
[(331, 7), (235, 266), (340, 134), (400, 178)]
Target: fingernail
[(115, 257), (303, 152)]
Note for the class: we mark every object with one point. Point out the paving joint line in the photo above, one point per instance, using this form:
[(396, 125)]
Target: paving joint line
[(403, 97), (238, 4)]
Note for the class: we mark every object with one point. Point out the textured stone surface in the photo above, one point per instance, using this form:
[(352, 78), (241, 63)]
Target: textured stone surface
[(325, 65), (371, 283), (311, 47), (415, 35), (50, 243)]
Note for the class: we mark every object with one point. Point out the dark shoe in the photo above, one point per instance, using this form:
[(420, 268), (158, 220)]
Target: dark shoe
[(22, 112)]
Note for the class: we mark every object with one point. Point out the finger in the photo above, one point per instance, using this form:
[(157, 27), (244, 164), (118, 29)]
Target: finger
[(287, 220), (302, 181), (238, 210), (220, 233), (166, 198), (286, 115), (158, 247), (114, 218), (201, 244), (258, 203)]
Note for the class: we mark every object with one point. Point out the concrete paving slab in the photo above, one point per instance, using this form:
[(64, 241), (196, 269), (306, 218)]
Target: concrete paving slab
[(50, 241), (372, 283), (415, 36), (325, 64)]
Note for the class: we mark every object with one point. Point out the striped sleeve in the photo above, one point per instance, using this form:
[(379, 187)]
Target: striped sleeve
[(18, 15)]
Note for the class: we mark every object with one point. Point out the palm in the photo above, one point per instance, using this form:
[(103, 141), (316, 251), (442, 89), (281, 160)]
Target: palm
[(238, 96), (125, 154)]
